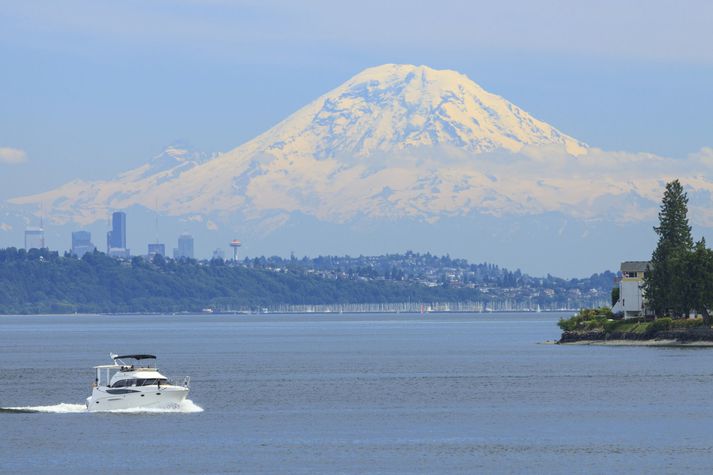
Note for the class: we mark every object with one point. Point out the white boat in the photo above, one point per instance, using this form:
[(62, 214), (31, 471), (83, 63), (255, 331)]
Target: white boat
[(124, 385)]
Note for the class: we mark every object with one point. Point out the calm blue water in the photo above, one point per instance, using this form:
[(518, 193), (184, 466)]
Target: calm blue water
[(356, 394)]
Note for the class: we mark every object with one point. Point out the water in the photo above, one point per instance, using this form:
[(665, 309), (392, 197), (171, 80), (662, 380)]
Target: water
[(354, 394)]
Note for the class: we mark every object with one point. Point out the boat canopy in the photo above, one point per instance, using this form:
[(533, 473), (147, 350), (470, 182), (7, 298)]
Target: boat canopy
[(135, 357)]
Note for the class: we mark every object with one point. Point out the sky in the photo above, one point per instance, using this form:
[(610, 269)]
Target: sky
[(91, 88)]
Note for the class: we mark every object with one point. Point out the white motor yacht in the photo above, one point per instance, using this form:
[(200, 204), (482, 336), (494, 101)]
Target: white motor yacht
[(125, 385)]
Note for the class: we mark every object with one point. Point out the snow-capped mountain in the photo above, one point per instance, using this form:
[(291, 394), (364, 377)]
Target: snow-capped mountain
[(394, 143), (370, 146)]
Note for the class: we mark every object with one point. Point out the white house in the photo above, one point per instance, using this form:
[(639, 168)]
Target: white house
[(631, 289)]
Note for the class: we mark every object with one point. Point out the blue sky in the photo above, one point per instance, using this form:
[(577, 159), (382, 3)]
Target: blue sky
[(91, 88)]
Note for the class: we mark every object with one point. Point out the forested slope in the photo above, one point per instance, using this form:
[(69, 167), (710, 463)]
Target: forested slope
[(44, 282)]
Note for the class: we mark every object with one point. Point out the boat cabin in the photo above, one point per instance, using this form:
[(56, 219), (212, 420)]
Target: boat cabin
[(122, 374)]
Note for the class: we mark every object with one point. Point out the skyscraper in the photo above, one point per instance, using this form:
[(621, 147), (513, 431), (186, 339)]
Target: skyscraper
[(185, 246), (118, 230), (34, 238), (82, 243), (116, 238)]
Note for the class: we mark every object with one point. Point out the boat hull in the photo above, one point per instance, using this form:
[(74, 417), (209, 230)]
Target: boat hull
[(143, 397)]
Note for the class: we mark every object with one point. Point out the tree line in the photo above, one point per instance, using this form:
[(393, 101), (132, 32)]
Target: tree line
[(680, 275), (41, 281)]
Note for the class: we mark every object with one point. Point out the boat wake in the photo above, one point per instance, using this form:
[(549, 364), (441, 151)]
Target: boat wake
[(186, 407), (62, 408)]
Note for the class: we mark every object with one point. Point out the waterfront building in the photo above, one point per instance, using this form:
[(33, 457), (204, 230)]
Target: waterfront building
[(157, 248), (34, 238), (632, 301), (185, 246), (82, 243)]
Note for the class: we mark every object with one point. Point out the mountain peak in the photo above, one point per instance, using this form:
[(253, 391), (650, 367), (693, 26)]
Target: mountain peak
[(178, 149), (400, 71), (395, 107), (176, 158)]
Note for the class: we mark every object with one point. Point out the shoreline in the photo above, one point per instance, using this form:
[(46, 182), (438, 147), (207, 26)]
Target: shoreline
[(239, 313), (664, 343)]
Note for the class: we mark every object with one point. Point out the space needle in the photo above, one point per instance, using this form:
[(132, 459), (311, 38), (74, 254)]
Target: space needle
[(235, 244)]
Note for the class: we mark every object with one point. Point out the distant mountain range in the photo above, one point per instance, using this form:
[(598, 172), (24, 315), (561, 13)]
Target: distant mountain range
[(399, 155)]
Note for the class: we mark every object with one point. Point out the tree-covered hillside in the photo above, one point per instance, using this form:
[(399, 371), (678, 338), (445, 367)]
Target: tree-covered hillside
[(41, 281)]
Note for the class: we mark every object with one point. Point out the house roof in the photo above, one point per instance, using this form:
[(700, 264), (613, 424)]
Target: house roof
[(634, 266)]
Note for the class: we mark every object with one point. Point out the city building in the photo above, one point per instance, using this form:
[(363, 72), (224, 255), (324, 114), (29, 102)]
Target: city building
[(82, 243), (34, 238), (157, 248), (185, 247), (632, 301), (116, 238), (219, 254)]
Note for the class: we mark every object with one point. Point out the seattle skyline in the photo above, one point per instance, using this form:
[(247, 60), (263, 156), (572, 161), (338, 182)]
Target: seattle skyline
[(116, 243)]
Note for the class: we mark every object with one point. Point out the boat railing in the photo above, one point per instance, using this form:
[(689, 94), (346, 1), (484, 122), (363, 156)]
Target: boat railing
[(184, 381)]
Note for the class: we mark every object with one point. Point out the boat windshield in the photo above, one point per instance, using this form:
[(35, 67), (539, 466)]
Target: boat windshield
[(122, 383)]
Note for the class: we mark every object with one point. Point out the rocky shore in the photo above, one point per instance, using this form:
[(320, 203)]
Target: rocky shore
[(697, 336)]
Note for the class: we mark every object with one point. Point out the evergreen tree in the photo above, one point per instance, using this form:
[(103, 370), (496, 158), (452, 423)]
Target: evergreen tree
[(665, 283), (699, 272), (614, 295)]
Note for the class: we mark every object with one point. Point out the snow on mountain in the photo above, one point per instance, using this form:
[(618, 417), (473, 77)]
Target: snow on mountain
[(176, 158), (396, 107), (395, 141), (85, 202)]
